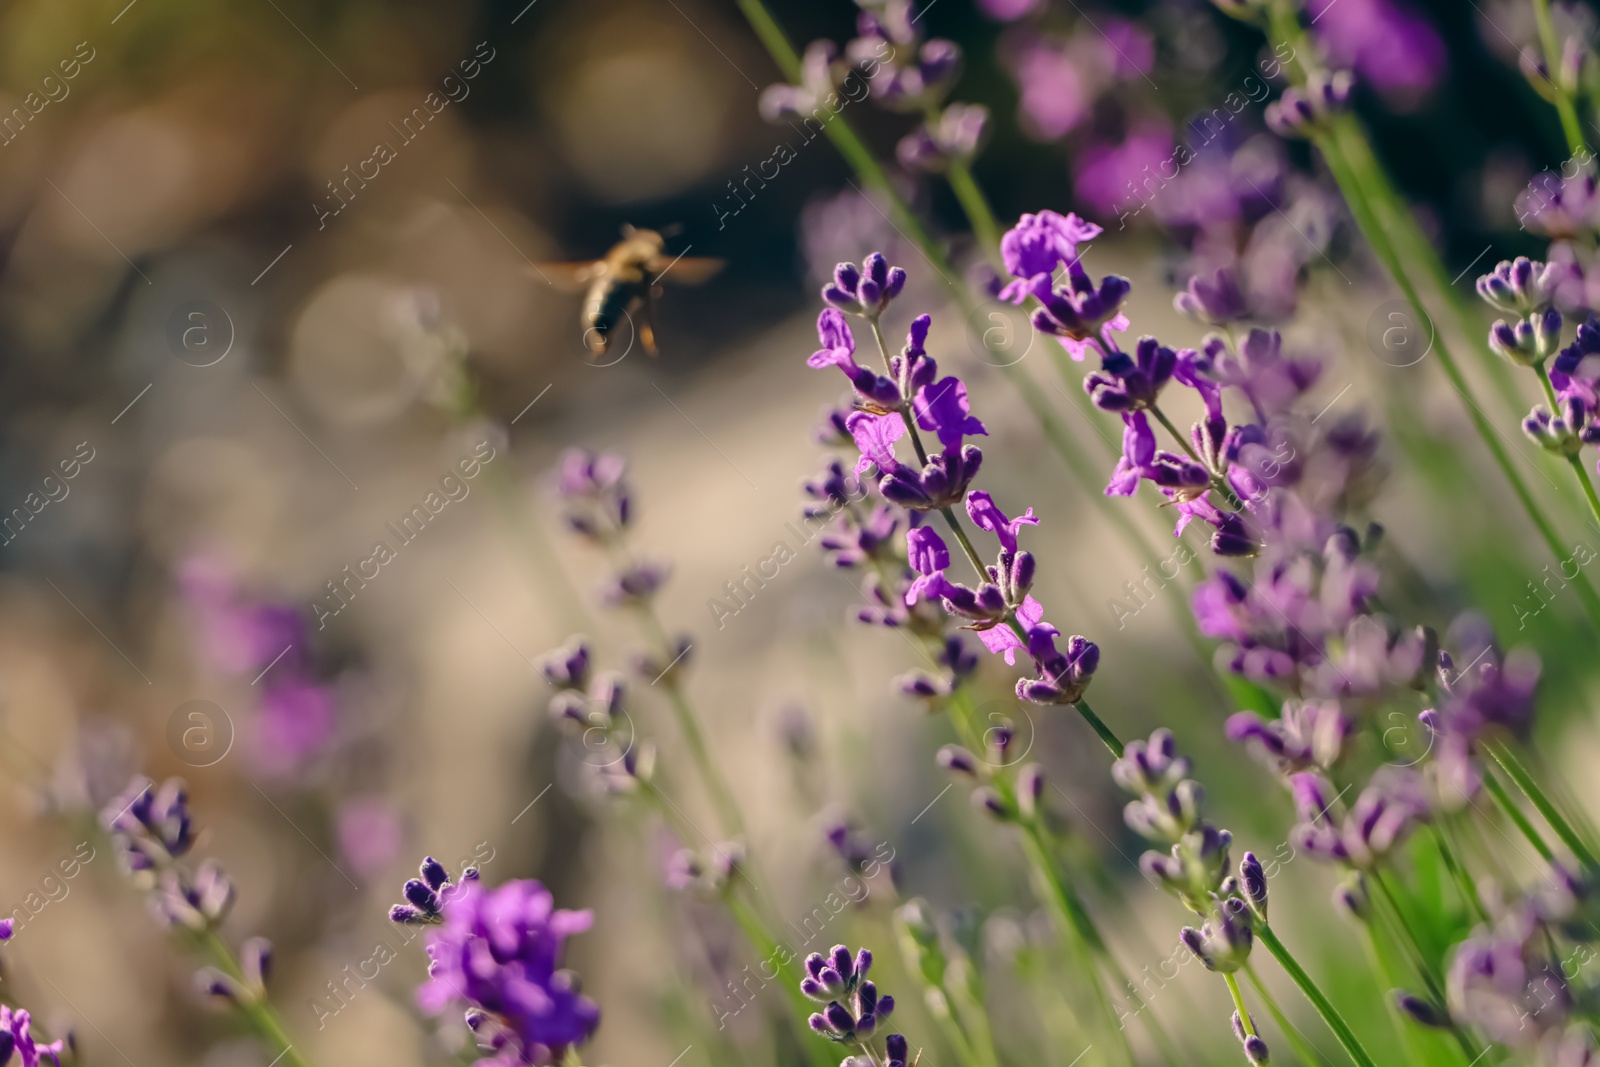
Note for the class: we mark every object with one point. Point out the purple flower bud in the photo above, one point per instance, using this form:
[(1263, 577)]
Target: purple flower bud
[(255, 961), (957, 759), (839, 1020), (1030, 787), (421, 896), (1421, 1011), (1253, 877), (211, 982), (842, 961), (433, 873), (1255, 1050), (988, 800), (814, 965)]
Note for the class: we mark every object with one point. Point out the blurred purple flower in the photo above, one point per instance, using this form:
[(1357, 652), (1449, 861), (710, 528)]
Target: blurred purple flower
[(295, 721), (1392, 48), (369, 832), (1109, 174), (1054, 99), (499, 950), (1008, 10)]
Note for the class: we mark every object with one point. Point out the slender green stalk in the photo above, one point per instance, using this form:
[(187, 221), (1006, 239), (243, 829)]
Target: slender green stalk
[(722, 795), (1239, 1005), (1514, 769), (1330, 1014), (984, 225), (1552, 61), (1302, 1048), (1518, 819), (1458, 871), (1109, 739), (1062, 898), (1408, 937), (550, 577)]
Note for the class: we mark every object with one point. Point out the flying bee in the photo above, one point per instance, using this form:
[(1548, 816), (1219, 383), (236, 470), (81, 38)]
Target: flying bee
[(626, 284)]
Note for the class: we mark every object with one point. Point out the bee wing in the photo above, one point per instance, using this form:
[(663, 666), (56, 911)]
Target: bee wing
[(684, 270), (567, 277)]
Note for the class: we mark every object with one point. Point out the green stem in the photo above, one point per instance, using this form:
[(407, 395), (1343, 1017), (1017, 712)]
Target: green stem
[(1302, 1048), (1066, 906), (1518, 819), (1408, 936), (1239, 1005), (1458, 872), (1330, 1014), (1552, 60), (1519, 774), (984, 225), (722, 795), (1109, 739)]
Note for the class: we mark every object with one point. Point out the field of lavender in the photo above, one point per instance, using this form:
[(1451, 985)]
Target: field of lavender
[(695, 533)]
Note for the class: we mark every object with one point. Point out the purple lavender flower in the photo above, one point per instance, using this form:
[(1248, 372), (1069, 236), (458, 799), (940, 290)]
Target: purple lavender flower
[(1392, 48), (568, 666), (151, 825), (1503, 981), (1302, 112), (1565, 432), (499, 950), (941, 483), (942, 408), (427, 894), (986, 515), (1559, 207), (1519, 286), (1132, 383), (1224, 940), (1576, 370), (818, 79), (1308, 734), (1054, 96), (840, 977), (597, 501), (1007, 10), (878, 394), (906, 73), (1381, 818), (16, 1035), (1039, 244), (865, 290), (953, 136), (1216, 299)]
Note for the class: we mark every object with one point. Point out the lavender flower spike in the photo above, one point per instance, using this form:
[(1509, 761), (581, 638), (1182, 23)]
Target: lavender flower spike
[(499, 951), (854, 1007)]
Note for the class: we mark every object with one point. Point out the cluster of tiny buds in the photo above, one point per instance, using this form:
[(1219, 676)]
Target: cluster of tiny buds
[(1525, 289), (426, 896), (854, 1008), (255, 962), (688, 870), (590, 705), (1255, 1049), (865, 290), (1016, 800), (1302, 112)]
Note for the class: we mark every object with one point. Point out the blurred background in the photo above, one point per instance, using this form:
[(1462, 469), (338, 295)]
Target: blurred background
[(259, 342)]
